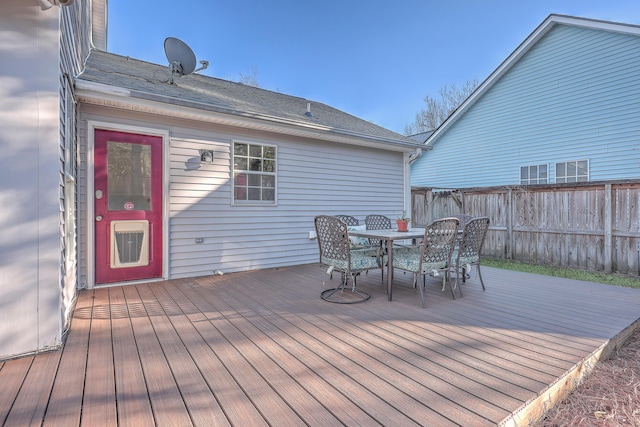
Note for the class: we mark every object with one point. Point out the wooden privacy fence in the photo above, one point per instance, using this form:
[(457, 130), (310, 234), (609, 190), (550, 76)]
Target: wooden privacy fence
[(592, 226)]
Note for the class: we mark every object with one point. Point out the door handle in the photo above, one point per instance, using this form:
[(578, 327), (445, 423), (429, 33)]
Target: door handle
[(99, 218)]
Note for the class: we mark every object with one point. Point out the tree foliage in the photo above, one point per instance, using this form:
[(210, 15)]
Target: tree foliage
[(438, 109)]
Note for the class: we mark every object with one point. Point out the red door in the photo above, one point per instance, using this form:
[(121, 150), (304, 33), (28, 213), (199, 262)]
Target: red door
[(128, 206)]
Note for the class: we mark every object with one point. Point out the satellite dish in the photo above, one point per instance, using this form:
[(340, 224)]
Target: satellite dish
[(182, 60)]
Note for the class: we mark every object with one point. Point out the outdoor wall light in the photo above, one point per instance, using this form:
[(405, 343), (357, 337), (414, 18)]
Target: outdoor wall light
[(206, 156)]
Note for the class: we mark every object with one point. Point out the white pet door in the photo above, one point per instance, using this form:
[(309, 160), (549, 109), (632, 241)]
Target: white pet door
[(129, 243)]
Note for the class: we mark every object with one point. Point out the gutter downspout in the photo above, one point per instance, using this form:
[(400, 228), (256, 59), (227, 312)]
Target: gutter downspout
[(409, 159)]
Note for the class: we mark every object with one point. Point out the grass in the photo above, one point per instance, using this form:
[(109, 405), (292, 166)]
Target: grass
[(609, 279)]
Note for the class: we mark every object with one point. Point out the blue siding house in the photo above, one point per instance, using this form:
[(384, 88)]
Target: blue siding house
[(563, 107)]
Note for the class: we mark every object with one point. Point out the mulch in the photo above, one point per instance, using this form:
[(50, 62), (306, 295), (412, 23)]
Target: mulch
[(609, 396)]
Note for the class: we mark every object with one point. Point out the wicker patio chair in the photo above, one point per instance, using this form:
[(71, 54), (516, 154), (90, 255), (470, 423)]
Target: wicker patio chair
[(463, 218), (433, 255), (467, 252), (336, 254), (350, 220), (378, 222)]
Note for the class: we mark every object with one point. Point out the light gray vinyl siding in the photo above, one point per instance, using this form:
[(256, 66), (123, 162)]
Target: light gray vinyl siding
[(30, 165), (574, 95), (312, 179), (74, 46)]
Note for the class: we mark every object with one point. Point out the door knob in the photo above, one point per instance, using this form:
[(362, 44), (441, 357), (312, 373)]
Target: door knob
[(99, 218)]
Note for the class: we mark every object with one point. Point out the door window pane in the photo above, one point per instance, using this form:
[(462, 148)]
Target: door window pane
[(129, 179)]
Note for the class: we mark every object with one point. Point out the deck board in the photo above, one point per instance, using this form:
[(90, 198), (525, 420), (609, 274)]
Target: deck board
[(31, 403), (134, 406), (12, 377), (168, 406), (201, 340), (65, 402), (99, 403), (262, 348), (379, 374), (327, 364), (296, 396)]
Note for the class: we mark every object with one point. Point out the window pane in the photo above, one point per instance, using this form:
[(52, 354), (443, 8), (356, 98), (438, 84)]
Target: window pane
[(256, 164), (240, 193), (269, 181), (269, 152), (254, 180), (129, 176), (268, 194), (571, 169), (240, 183), (240, 150), (255, 150), (241, 164), (254, 194), (542, 171), (269, 166), (524, 173), (583, 167), (560, 170)]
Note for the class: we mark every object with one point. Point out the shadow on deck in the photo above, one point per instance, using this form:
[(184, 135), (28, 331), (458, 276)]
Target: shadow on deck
[(262, 348)]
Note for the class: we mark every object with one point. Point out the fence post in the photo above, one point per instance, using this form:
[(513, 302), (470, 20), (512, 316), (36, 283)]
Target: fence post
[(509, 224), (608, 228), (429, 201)]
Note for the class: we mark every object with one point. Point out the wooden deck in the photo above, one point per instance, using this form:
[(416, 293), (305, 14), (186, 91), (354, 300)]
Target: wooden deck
[(262, 348)]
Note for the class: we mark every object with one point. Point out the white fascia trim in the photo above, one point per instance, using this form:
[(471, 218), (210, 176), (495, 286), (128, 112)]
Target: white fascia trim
[(594, 24), (105, 95)]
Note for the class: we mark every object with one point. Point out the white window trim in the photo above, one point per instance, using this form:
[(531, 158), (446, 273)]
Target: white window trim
[(588, 175), (538, 178), (252, 203)]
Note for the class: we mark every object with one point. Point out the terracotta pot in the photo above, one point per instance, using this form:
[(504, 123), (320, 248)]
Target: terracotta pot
[(403, 224)]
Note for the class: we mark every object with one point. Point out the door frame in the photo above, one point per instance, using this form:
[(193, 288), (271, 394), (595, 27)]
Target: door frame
[(92, 125)]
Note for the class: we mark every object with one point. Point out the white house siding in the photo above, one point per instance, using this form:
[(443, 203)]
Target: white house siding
[(313, 177), (29, 181), (75, 24), (574, 95)]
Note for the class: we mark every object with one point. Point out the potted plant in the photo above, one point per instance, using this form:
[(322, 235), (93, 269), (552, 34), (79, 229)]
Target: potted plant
[(403, 221)]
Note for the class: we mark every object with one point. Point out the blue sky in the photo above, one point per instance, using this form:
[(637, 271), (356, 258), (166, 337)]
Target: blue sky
[(375, 59)]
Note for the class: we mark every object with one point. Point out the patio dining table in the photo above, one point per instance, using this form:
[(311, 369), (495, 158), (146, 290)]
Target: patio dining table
[(389, 236)]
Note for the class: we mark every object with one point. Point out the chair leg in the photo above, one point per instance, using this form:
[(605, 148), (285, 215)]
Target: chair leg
[(447, 276), (457, 285), (480, 275), (424, 304), (328, 293)]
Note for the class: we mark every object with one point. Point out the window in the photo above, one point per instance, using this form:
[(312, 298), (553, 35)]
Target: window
[(254, 174), (68, 124), (577, 171), (536, 174)]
